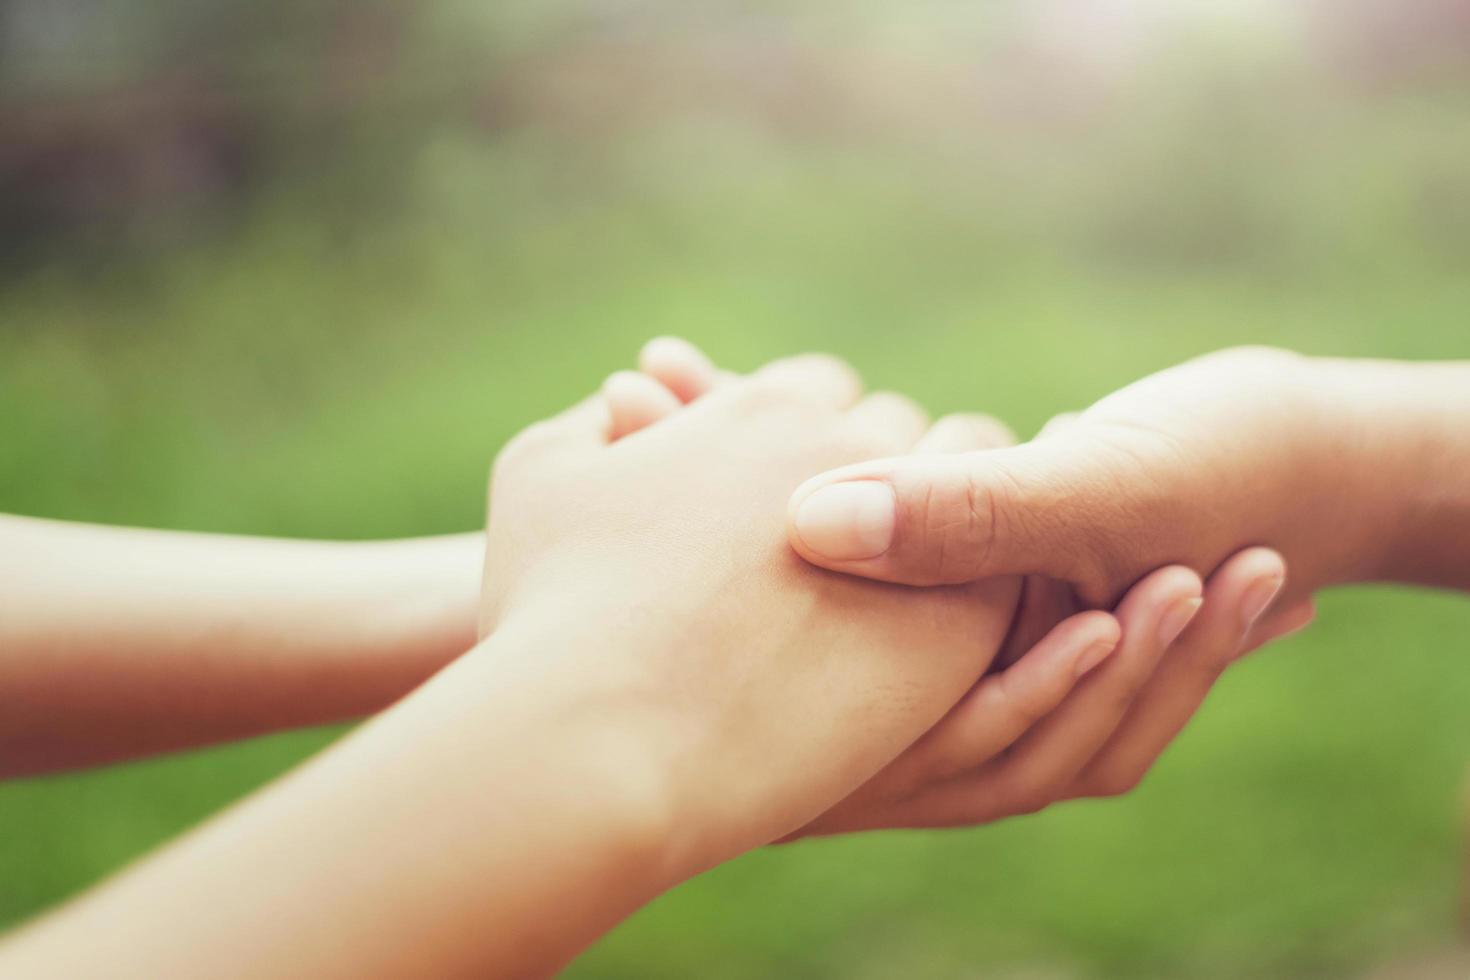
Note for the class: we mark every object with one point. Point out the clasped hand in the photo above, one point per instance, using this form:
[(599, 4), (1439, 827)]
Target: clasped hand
[(779, 700)]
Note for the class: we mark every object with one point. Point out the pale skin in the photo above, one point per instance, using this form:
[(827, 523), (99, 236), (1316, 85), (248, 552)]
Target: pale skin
[(125, 642), (1108, 732), (121, 642), (666, 686)]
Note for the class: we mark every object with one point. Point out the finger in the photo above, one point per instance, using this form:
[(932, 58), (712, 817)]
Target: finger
[(1002, 707), (680, 366), (1280, 624), (1037, 508), (988, 719), (891, 418), (636, 401), (1044, 603), (1237, 596), (820, 377), (1043, 763), (964, 432)]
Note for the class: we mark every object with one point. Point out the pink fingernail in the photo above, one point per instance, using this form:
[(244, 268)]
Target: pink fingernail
[(1177, 619), (1094, 655), (848, 521)]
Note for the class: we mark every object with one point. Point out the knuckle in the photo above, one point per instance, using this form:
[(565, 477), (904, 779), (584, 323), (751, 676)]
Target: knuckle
[(957, 517), (859, 440), (819, 361), (1105, 545), (895, 402), (765, 395), (806, 372), (992, 431)]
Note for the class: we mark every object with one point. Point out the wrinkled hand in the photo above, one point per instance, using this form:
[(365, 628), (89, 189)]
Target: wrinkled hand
[(1190, 465)]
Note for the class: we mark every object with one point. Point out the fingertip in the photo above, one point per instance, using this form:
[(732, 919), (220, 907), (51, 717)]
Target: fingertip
[(1253, 563), (1185, 581), (1161, 587), (1168, 598), (636, 401), (1248, 585), (1074, 647), (837, 523), (679, 365), (1097, 626)]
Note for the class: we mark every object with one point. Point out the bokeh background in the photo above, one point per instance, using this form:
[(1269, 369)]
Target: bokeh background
[(300, 268)]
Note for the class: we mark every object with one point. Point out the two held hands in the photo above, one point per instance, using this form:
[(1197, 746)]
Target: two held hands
[(773, 699), (716, 612)]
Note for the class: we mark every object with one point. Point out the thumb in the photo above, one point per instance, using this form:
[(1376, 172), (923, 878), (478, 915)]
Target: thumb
[(1049, 507)]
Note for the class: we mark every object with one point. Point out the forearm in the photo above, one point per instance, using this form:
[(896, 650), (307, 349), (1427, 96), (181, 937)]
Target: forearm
[(1408, 431), (121, 642), (468, 831)]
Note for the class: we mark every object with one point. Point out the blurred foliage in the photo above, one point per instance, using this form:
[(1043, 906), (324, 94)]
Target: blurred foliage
[(300, 269)]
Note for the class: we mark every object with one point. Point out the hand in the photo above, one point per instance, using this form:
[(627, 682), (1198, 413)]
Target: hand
[(1190, 465), (667, 686), (984, 762), (1085, 712), (757, 690)]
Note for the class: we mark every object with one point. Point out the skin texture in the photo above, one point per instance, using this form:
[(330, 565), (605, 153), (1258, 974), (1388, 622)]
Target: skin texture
[(120, 642), (125, 642), (780, 640), (1352, 470), (1108, 730), (666, 686)]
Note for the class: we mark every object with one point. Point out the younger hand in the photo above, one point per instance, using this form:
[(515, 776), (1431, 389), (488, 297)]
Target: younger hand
[(745, 690)]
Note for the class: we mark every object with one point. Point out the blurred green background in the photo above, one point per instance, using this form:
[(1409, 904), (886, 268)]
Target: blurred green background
[(300, 269)]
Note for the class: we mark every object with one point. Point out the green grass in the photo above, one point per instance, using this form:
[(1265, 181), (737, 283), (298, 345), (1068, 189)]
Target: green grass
[(311, 374)]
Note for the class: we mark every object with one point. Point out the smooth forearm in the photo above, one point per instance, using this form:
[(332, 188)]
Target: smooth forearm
[(121, 642), (491, 825)]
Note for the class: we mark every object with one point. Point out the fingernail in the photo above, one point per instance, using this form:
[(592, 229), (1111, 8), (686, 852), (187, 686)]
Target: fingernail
[(848, 521), (1177, 617), (1258, 598), (1094, 655)]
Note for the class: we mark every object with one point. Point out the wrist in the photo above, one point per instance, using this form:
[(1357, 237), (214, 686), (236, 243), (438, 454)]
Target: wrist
[(1402, 451), (414, 601), (566, 686)]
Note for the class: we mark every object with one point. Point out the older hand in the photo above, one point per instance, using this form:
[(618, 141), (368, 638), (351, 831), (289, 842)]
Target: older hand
[(1247, 447)]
